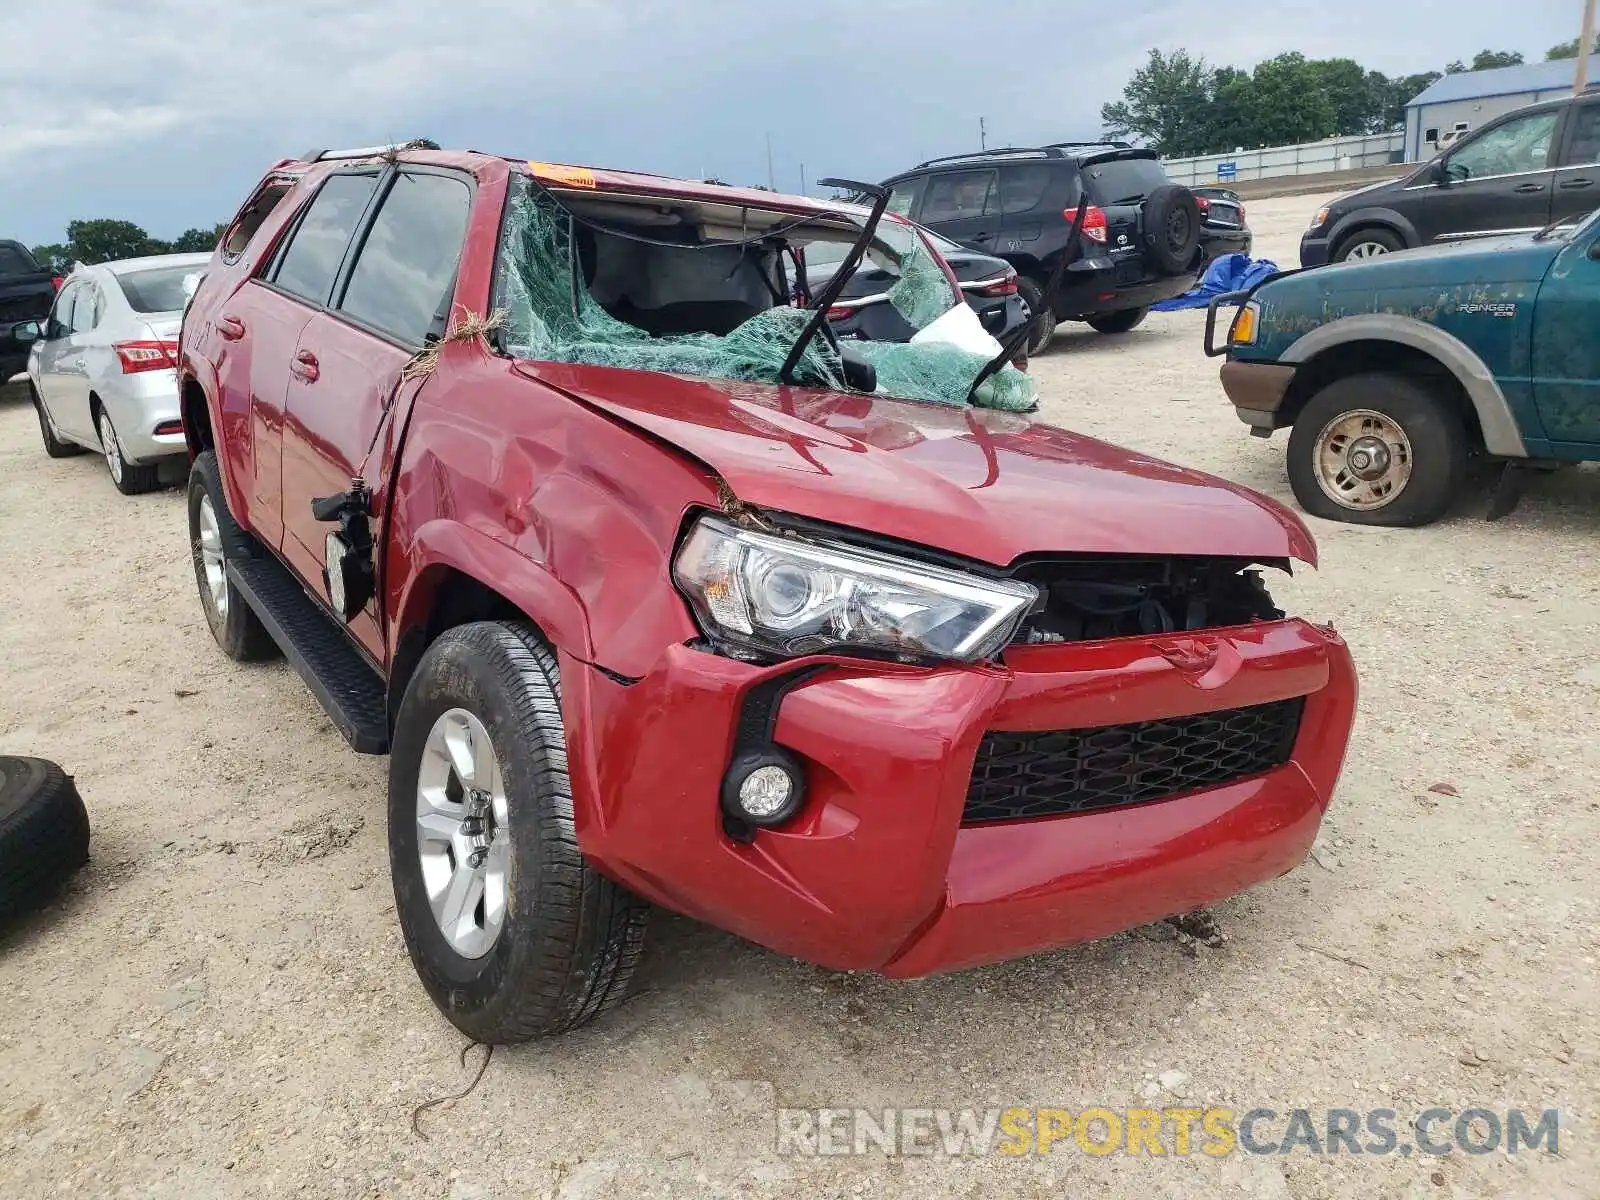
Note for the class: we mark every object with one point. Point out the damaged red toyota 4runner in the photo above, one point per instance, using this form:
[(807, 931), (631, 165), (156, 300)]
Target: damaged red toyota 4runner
[(556, 486)]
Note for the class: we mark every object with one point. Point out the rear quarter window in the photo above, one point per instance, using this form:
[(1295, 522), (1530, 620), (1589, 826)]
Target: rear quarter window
[(256, 210), (1124, 180)]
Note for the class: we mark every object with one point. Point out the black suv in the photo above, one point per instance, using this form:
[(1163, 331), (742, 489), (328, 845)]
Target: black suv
[(1521, 172), (26, 293), (1142, 232)]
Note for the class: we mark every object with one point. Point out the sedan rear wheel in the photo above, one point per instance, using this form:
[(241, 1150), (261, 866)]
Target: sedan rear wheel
[(130, 478)]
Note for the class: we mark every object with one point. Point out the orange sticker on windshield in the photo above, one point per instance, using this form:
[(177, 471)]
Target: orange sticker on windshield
[(578, 177)]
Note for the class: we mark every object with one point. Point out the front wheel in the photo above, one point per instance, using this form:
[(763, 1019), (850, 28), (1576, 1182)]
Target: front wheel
[(1367, 243), (1119, 322), (1378, 449), (54, 445), (1033, 295), (513, 933)]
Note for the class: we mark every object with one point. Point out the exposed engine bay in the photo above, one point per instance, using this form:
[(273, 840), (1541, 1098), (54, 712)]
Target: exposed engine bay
[(1092, 597)]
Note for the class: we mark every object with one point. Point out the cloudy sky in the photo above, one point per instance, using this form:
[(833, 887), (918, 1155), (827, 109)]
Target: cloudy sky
[(165, 112)]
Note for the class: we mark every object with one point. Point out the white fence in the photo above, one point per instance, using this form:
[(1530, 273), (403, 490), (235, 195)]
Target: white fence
[(1308, 158)]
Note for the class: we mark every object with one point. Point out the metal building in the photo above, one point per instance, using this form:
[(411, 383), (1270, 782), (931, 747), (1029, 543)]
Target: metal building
[(1460, 103)]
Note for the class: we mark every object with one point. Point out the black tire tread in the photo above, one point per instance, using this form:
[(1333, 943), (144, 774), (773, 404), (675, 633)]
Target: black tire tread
[(244, 638), (1122, 321), (1033, 292), (591, 932), (54, 447), (44, 832)]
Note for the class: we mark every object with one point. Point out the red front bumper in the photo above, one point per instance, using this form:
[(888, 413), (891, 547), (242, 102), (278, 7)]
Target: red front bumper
[(877, 871)]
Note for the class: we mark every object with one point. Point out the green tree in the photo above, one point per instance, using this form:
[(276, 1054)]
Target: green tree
[(1402, 91), (55, 257), (197, 241), (1569, 49), (106, 240), (1165, 103), (1232, 113), (1289, 104), (1356, 98), (1486, 60)]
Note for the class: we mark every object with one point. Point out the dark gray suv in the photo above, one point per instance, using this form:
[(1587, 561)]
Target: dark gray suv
[(1142, 239)]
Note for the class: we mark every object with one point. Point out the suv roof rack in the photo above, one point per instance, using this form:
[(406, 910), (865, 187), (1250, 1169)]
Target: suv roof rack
[(370, 151), (1049, 150)]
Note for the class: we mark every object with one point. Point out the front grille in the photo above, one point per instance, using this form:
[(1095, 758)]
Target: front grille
[(1022, 775)]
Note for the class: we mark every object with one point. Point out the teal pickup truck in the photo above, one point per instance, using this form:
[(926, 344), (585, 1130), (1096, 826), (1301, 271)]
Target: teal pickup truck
[(1393, 373)]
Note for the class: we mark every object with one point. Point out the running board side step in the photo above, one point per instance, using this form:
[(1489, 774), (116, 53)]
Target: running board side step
[(346, 686)]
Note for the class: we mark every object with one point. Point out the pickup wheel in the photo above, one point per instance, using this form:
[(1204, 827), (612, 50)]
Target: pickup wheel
[(513, 933), (1377, 449), (1119, 322), (53, 445), (215, 538), (1033, 295)]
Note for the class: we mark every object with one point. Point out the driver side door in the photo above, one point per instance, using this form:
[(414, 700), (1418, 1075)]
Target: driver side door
[(1500, 181)]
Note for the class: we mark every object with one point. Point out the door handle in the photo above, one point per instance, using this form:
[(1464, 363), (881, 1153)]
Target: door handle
[(230, 327), (1574, 184), (1528, 188), (305, 366)]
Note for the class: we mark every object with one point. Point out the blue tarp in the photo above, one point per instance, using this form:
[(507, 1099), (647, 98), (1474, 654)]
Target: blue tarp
[(1230, 273)]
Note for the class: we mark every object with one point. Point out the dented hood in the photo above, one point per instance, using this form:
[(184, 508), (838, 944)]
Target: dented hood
[(987, 485)]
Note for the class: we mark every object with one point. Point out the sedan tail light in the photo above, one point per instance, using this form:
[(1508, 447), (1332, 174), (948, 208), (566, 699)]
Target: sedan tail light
[(146, 356), (1203, 203), (1095, 226), (56, 281), (997, 285)]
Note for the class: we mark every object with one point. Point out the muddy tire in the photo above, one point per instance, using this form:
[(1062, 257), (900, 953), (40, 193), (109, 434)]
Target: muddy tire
[(1033, 294), (1119, 322), (215, 538), (513, 934), (1378, 449), (44, 832), (54, 446)]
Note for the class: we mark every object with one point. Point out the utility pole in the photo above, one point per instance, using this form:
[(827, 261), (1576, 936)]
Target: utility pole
[(772, 176), (803, 179), (1585, 48), (983, 131)]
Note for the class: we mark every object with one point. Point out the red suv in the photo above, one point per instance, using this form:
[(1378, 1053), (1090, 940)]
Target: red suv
[(553, 489)]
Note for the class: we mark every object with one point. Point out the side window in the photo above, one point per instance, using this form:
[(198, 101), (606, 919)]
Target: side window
[(255, 211), (309, 263), (405, 272), (1585, 145), (1519, 145), (903, 196), (957, 195), (61, 312), (1022, 188), (86, 309)]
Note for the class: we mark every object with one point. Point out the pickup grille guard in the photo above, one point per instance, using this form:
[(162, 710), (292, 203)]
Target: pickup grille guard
[(1239, 299)]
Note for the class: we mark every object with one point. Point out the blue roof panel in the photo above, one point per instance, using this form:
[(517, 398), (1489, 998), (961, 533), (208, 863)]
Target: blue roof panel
[(1505, 81)]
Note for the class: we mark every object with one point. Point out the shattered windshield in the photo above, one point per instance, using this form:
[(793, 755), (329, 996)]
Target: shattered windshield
[(711, 289)]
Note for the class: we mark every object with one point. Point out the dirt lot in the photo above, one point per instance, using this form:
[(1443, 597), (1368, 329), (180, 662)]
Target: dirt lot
[(222, 1005)]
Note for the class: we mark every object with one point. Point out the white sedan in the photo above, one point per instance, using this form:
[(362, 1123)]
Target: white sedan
[(103, 367)]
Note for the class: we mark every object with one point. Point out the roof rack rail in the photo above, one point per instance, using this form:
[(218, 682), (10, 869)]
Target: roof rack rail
[(1048, 150), (370, 151)]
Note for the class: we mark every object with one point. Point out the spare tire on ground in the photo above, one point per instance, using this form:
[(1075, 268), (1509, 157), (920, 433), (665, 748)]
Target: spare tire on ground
[(44, 832), (1171, 228)]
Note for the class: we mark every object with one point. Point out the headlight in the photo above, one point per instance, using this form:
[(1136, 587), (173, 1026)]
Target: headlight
[(789, 596), (1321, 219), (1243, 330)]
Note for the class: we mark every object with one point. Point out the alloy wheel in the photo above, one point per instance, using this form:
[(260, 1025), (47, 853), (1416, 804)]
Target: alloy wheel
[(112, 448), (212, 559), (463, 833)]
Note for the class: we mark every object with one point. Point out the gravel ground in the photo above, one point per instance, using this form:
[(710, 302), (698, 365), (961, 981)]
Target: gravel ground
[(221, 1004)]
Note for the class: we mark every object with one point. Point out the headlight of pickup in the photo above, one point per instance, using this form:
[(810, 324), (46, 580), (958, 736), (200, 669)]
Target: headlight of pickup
[(791, 596)]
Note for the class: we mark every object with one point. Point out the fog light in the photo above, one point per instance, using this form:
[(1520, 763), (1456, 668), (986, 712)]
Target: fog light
[(763, 787)]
